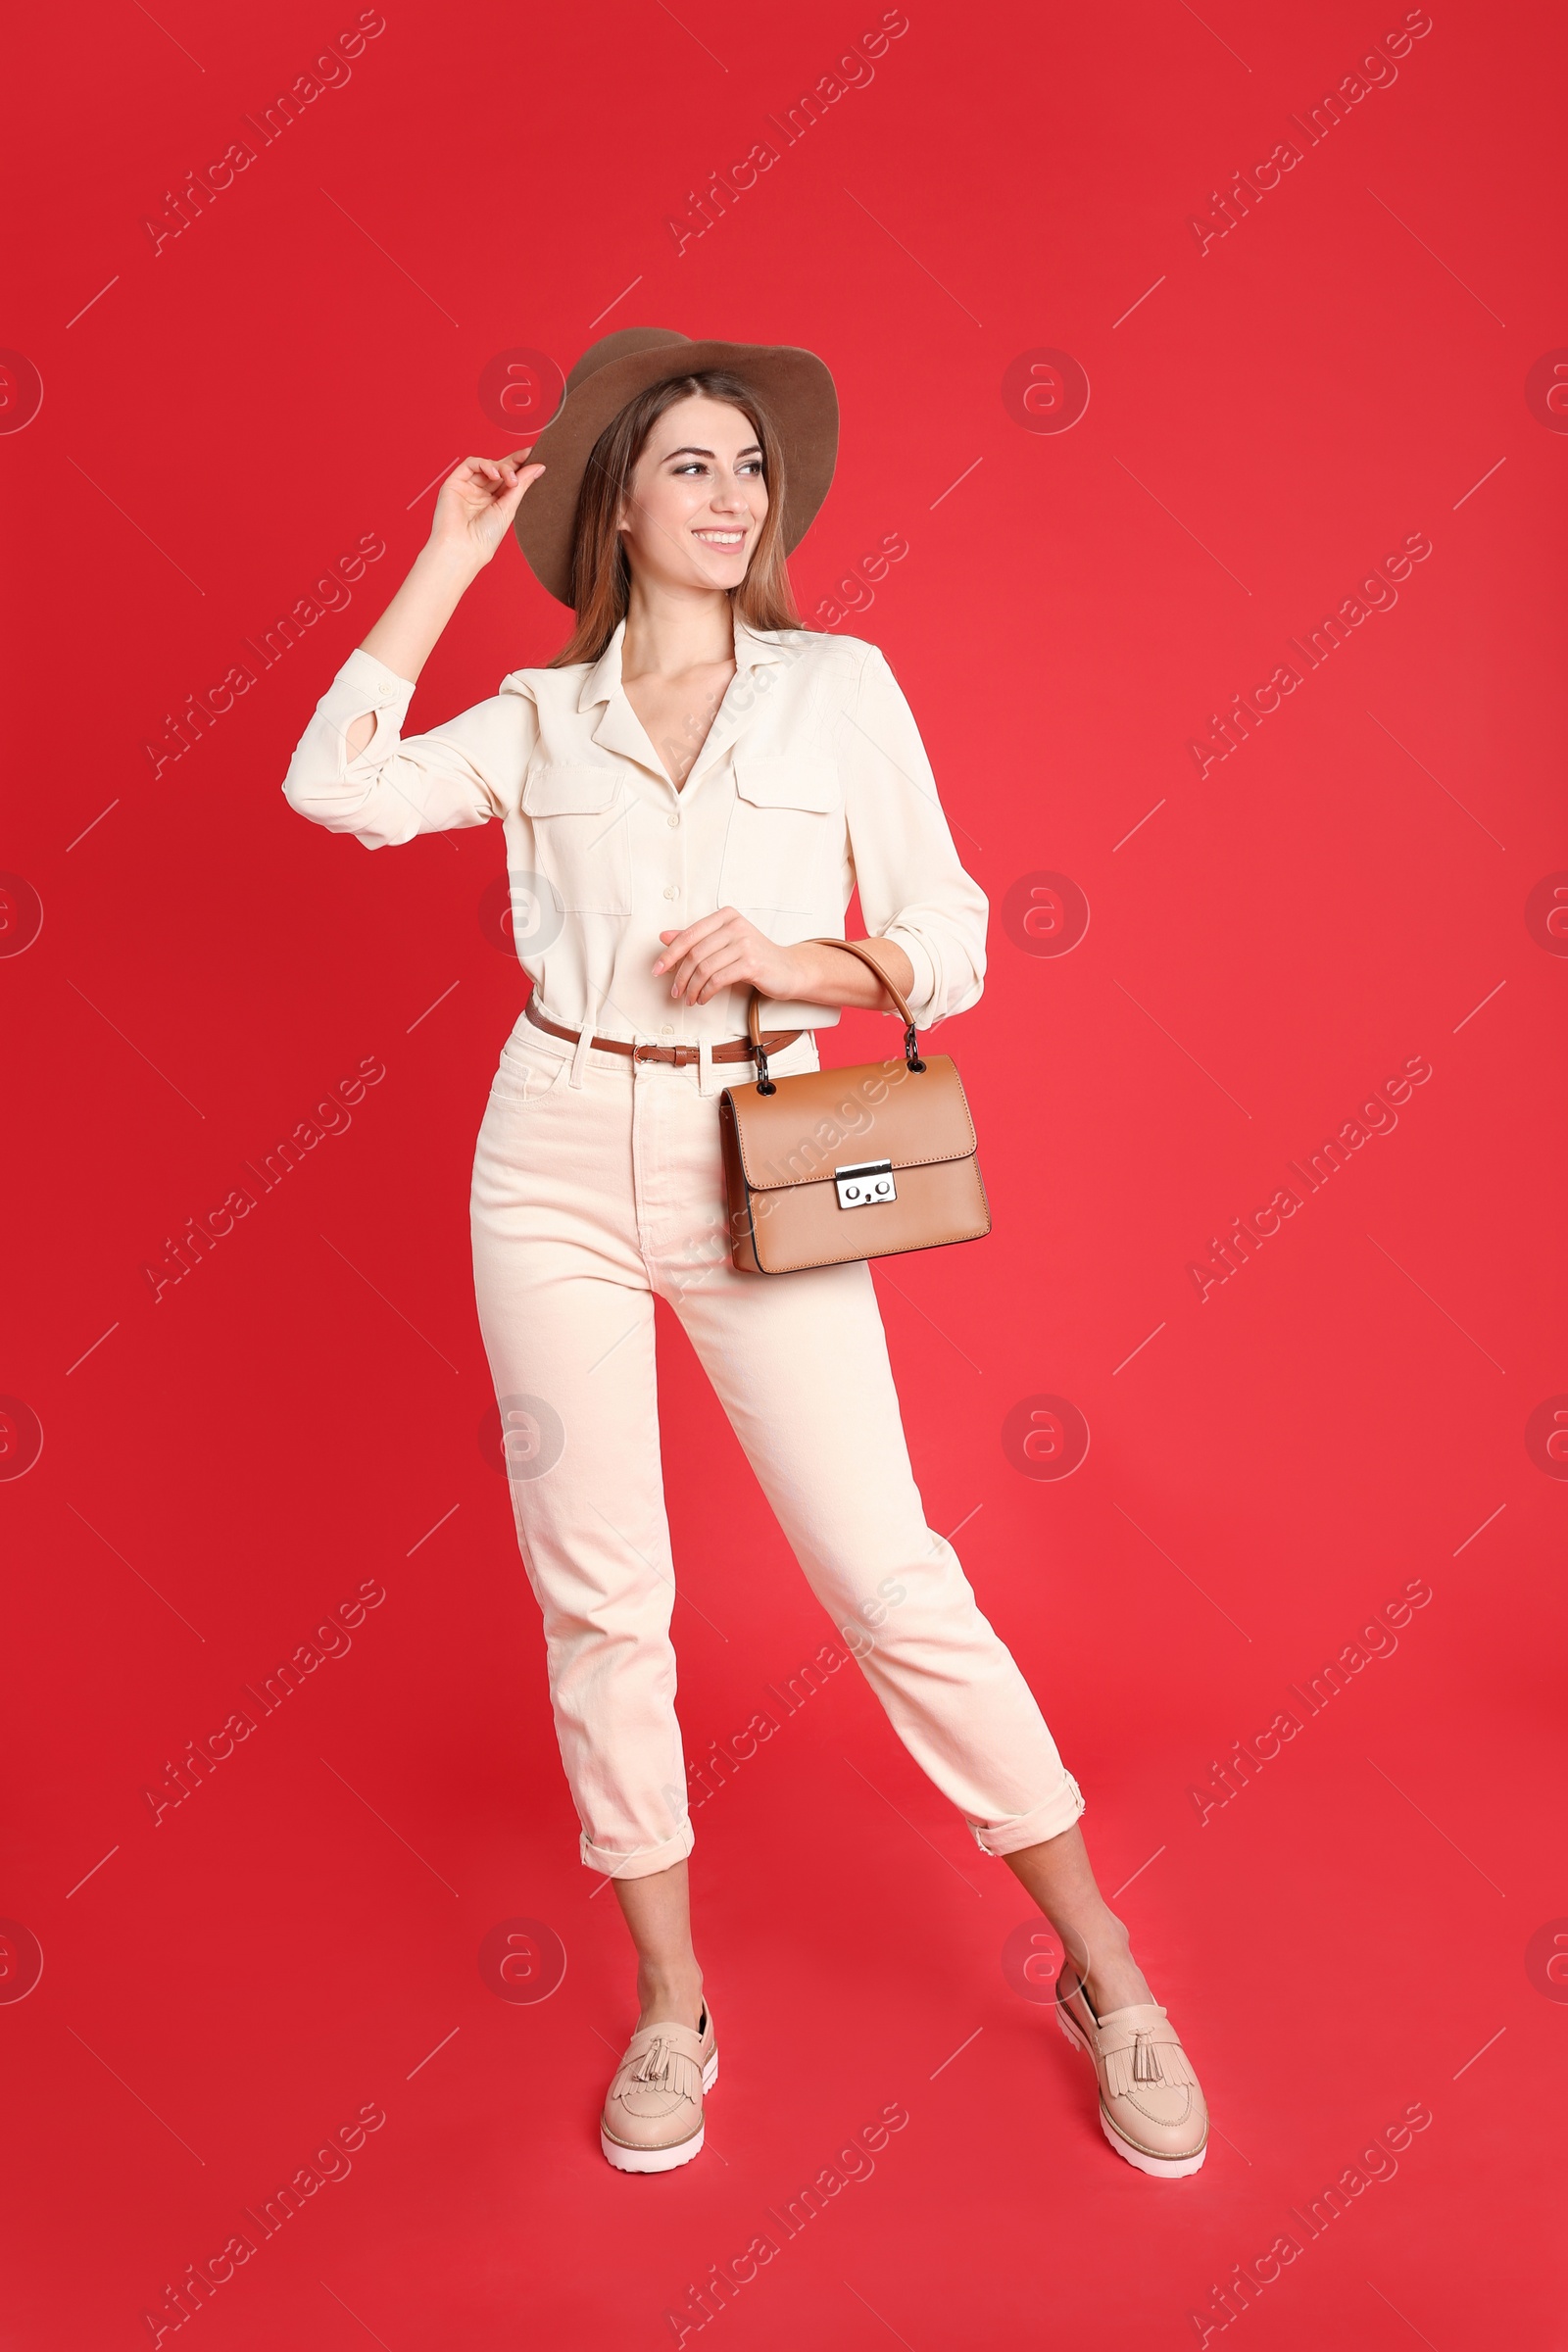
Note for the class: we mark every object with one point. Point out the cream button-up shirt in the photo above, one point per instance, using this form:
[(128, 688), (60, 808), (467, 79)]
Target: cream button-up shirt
[(812, 780)]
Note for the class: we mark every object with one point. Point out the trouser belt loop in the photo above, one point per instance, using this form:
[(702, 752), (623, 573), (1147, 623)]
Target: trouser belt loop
[(585, 1038)]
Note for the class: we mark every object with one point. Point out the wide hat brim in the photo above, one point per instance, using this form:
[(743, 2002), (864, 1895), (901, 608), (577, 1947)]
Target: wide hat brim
[(796, 386)]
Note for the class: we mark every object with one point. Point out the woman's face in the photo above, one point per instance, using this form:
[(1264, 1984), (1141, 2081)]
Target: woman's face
[(697, 498)]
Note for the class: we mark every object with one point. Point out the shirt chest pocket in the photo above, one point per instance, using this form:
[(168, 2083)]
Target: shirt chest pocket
[(786, 830), (581, 819)]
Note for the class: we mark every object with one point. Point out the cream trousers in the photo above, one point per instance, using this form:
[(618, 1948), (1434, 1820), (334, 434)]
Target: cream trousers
[(597, 1187)]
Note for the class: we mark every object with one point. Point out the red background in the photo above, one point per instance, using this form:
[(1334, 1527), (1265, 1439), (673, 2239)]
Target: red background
[(226, 417)]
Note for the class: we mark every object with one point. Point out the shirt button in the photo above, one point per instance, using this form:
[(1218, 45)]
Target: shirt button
[(675, 820), (665, 1030), (671, 892)]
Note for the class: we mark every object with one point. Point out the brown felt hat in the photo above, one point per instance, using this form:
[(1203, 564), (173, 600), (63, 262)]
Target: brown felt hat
[(796, 386)]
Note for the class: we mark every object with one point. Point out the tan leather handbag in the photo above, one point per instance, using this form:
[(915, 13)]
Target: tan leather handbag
[(838, 1165)]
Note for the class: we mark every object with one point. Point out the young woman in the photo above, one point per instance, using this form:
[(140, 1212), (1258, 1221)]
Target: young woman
[(689, 792)]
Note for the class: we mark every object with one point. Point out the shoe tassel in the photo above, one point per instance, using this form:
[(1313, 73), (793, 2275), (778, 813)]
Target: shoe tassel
[(1145, 2063)]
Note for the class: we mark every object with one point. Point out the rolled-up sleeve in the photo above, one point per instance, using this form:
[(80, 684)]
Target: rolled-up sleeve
[(462, 773), (914, 890)]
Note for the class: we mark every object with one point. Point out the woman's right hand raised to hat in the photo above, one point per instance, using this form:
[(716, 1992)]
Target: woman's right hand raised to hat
[(476, 505), (473, 511)]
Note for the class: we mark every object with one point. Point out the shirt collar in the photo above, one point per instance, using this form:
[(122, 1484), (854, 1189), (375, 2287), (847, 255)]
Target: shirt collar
[(752, 648)]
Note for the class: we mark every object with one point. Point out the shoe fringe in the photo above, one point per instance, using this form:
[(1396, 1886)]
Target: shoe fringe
[(1147, 2061)]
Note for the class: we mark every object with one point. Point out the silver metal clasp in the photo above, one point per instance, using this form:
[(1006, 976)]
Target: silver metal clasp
[(864, 1184)]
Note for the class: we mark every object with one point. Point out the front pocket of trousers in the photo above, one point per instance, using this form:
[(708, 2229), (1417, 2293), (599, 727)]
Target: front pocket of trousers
[(519, 1081)]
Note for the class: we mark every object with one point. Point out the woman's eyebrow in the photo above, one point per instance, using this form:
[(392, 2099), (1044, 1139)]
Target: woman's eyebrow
[(752, 449)]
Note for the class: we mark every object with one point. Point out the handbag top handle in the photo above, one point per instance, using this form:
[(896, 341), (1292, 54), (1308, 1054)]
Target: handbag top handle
[(851, 946)]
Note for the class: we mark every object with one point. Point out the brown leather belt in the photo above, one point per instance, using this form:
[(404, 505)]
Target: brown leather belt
[(774, 1041)]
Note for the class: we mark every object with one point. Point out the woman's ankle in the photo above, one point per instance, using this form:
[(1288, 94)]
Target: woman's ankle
[(670, 1996), (1102, 1962)]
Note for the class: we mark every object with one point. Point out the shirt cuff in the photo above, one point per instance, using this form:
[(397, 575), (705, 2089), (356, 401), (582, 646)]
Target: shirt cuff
[(367, 670), (921, 997), (364, 684)]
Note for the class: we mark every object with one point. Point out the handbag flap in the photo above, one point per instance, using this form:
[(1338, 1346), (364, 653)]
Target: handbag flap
[(827, 1120)]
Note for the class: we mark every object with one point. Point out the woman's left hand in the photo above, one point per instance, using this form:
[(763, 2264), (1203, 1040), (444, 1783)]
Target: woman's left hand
[(725, 951)]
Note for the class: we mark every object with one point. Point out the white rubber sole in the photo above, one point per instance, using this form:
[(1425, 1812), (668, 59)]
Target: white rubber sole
[(1158, 2168), (659, 2160)]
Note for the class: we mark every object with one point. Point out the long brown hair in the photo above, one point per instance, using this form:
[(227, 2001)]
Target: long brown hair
[(601, 580)]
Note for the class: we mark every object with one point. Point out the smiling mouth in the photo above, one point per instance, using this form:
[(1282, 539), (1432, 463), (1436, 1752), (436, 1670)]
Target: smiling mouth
[(721, 538)]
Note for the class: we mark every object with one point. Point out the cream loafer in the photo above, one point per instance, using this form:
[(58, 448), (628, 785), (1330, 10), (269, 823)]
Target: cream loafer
[(1151, 2109), (653, 2119)]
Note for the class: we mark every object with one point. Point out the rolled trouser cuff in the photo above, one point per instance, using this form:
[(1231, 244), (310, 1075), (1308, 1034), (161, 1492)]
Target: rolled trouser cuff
[(644, 1860), (1032, 1828)]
